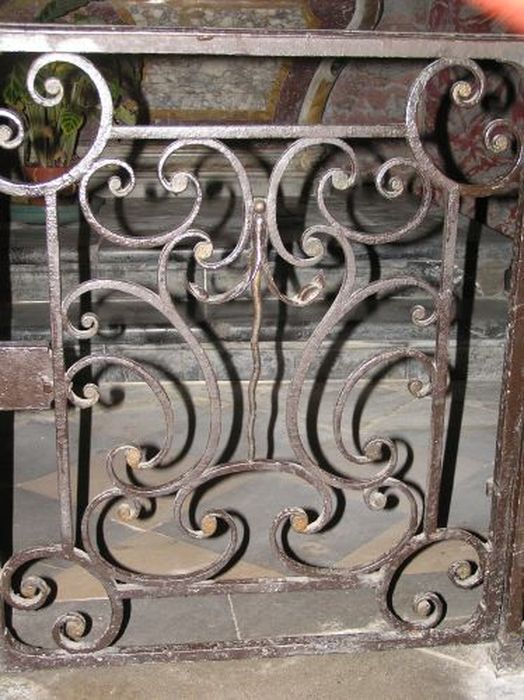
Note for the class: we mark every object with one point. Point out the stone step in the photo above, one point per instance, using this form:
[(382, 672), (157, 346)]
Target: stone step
[(232, 361), (85, 255), (130, 321), (136, 330)]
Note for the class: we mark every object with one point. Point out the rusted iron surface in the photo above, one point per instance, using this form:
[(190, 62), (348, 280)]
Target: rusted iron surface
[(234, 42), (507, 525), (26, 377), (495, 564)]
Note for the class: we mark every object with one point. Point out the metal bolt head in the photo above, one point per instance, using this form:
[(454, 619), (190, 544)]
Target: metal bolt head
[(299, 522), (203, 251), (461, 92), (209, 525), (179, 183), (377, 500), (260, 205), (422, 607), (499, 143), (127, 512), (133, 457), (313, 247), (5, 133), (374, 451), (463, 570), (340, 180), (75, 627)]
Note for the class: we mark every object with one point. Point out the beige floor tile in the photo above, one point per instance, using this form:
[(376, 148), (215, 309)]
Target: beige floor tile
[(376, 547)]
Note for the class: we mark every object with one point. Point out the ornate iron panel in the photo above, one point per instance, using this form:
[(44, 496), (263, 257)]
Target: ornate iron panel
[(496, 570)]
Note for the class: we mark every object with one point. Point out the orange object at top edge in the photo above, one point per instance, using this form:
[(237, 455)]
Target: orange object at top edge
[(509, 12)]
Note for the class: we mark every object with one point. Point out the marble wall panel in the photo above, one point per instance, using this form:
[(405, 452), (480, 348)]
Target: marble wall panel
[(215, 89)]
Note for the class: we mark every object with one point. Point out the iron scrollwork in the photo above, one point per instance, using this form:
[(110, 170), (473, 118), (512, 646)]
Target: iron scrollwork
[(259, 233)]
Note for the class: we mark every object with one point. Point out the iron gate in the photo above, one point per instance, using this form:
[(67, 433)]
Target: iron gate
[(38, 377)]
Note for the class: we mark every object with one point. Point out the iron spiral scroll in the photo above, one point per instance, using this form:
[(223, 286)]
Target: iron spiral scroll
[(259, 235)]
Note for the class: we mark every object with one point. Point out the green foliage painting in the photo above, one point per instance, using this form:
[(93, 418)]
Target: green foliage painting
[(52, 133)]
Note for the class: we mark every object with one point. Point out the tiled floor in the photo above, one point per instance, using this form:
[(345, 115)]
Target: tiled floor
[(154, 544)]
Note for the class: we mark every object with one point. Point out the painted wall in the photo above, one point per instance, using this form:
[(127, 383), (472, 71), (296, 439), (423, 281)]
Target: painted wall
[(190, 89)]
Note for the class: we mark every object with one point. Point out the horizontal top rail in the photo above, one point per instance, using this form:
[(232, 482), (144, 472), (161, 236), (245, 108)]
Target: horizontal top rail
[(235, 42), (259, 131)]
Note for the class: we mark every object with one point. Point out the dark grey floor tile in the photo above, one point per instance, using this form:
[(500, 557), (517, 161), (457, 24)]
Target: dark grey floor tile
[(163, 621), (259, 498), (36, 519)]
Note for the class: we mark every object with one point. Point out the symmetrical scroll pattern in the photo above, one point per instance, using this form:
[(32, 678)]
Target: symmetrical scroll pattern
[(260, 234)]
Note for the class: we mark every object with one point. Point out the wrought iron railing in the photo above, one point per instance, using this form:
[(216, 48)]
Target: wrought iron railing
[(498, 613)]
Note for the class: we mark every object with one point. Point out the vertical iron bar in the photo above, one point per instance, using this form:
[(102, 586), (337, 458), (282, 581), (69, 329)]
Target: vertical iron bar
[(505, 580), (255, 376), (256, 326), (440, 385), (60, 387), (7, 418)]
